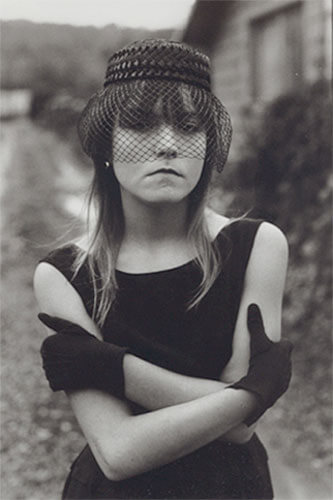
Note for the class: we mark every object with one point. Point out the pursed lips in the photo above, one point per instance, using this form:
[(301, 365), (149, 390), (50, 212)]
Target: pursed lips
[(170, 171)]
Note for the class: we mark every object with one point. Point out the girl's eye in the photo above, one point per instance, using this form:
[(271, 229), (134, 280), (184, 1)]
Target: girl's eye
[(189, 124)]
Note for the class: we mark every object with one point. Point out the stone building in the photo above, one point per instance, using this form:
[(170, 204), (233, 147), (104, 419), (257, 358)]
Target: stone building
[(260, 49)]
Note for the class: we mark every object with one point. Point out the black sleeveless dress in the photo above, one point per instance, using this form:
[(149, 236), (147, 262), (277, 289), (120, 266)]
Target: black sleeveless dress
[(199, 343)]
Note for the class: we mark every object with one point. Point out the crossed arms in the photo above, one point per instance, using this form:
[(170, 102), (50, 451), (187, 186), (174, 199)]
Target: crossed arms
[(185, 413)]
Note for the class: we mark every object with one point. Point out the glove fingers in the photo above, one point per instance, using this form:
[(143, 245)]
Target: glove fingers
[(54, 322), (254, 319), (62, 325), (255, 324)]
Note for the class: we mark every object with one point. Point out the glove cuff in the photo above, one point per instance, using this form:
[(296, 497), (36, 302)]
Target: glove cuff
[(261, 407), (112, 371)]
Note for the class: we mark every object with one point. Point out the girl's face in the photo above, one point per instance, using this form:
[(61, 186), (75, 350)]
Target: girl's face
[(165, 172), (159, 146)]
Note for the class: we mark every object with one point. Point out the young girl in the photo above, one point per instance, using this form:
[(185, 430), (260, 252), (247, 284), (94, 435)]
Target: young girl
[(160, 344)]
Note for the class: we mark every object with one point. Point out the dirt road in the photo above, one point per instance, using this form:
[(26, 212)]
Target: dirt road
[(39, 434)]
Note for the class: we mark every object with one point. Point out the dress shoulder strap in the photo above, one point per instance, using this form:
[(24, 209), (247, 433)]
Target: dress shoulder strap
[(242, 233), (62, 259), (236, 241)]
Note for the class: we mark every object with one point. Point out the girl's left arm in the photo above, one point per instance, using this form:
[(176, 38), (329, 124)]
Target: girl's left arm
[(264, 285)]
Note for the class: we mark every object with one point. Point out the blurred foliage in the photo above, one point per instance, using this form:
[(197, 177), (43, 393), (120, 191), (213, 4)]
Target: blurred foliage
[(62, 65), (60, 112), (291, 147), (54, 58), (289, 157)]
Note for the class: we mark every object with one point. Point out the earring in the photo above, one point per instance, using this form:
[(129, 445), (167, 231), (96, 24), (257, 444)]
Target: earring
[(107, 164)]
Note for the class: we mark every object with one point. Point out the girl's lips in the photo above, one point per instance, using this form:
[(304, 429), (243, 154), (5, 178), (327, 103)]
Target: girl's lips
[(166, 171)]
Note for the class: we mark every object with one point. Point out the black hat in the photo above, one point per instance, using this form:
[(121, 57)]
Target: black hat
[(143, 71)]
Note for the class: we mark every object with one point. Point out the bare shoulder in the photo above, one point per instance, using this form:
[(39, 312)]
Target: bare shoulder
[(267, 266), (270, 240), (52, 288), (45, 274), (57, 296), (43, 278), (215, 221)]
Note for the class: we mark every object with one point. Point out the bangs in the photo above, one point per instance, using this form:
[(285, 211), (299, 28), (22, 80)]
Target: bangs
[(142, 106), (152, 103)]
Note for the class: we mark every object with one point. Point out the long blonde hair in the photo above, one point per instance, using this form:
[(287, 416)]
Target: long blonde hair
[(105, 238)]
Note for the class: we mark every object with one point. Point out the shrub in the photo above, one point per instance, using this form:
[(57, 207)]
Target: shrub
[(291, 153)]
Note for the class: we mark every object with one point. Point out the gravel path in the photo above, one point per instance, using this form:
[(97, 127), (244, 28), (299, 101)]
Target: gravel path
[(41, 189), (39, 434)]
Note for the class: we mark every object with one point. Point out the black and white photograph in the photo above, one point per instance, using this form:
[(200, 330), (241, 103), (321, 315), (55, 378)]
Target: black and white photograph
[(166, 249)]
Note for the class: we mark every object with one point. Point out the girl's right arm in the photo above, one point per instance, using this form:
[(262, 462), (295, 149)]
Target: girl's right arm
[(126, 445), (166, 388)]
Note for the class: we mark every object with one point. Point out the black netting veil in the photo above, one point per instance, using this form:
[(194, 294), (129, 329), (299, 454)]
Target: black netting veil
[(156, 100)]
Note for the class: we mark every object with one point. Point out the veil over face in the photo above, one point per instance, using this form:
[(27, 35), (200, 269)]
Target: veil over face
[(150, 83)]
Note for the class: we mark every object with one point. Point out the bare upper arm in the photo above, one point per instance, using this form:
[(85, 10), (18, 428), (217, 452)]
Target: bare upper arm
[(98, 413), (263, 285), (57, 296)]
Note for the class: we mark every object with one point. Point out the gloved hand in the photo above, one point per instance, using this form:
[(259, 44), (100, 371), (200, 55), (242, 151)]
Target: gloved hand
[(74, 359), (269, 370)]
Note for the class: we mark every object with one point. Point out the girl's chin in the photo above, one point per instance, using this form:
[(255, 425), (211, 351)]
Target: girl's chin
[(156, 195), (164, 196), (163, 200)]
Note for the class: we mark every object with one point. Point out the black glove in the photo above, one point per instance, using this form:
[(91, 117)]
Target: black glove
[(74, 359), (269, 370)]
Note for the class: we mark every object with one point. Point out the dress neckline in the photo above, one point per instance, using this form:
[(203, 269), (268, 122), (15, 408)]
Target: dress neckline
[(169, 270)]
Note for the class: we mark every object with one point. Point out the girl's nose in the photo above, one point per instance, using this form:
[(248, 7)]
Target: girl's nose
[(166, 146)]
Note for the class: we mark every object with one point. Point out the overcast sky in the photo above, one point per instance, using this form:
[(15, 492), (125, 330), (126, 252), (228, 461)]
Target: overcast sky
[(152, 14)]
